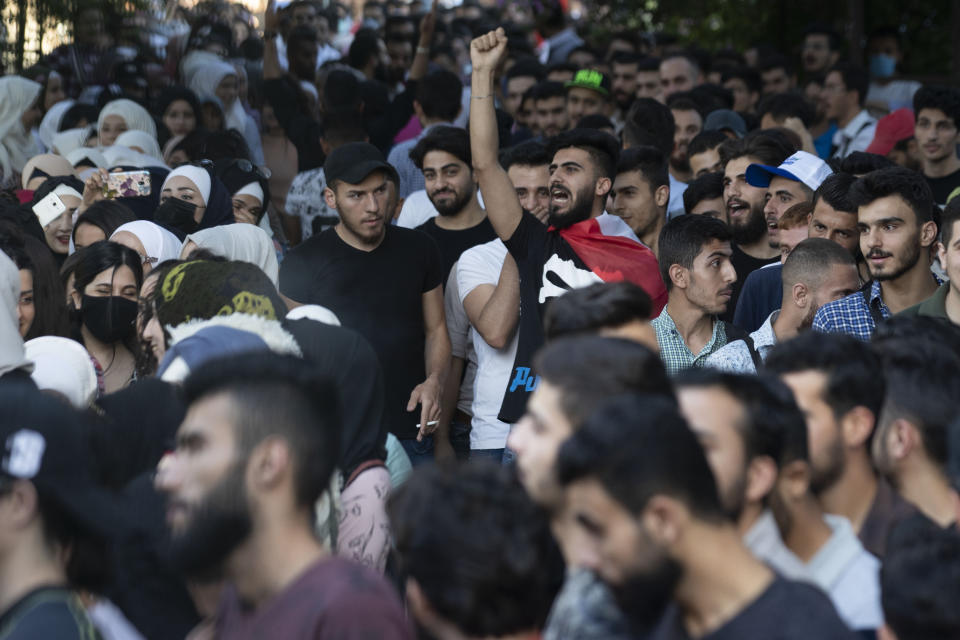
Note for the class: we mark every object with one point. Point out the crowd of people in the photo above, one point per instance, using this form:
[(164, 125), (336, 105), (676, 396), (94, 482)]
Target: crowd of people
[(395, 321)]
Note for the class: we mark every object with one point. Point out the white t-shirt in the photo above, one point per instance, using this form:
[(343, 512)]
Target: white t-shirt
[(458, 327), (417, 209), (482, 265)]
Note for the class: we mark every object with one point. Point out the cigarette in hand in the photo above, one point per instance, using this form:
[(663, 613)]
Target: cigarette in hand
[(432, 423)]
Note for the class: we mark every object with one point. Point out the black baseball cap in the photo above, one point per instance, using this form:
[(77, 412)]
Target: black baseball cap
[(354, 161), (41, 441)]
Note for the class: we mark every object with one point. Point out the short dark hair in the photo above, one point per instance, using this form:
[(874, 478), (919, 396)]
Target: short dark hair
[(478, 547), (950, 215), (649, 161), (561, 66), (895, 181), (595, 121), (588, 369), (859, 163), (595, 307), (439, 94), (750, 77), (531, 153), (818, 28), (854, 78), (453, 140), (649, 64), (922, 387), (772, 424), (764, 145), (365, 45), (835, 191), (705, 141), (791, 104), (625, 57), (850, 366), (946, 99), (911, 328), (811, 259), (649, 123), (546, 90), (682, 239), (706, 187), (526, 67), (106, 215), (279, 395), (683, 101), (775, 61), (920, 581), (602, 147), (637, 447)]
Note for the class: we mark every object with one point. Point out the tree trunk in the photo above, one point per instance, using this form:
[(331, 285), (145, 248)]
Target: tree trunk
[(21, 36)]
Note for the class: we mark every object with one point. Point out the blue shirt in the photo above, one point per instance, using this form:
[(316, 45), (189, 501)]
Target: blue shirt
[(411, 178), (851, 314), (824, 142), (761, 295)]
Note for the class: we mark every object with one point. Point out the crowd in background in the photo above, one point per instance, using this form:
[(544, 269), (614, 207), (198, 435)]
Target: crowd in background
[(395, 321)]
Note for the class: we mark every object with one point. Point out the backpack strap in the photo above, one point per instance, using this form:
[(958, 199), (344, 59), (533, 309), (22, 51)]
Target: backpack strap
[(754, 354)]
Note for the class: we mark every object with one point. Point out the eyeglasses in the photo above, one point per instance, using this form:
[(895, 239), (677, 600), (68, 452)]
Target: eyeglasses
[(248, 167), (149, 260)]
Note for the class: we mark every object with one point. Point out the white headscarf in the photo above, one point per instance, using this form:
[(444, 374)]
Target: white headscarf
[(17, 95), (197, 175), (141, 140), (205, 81), (252, 189), (157, 241), (98, 159), (193, 61), (243, 242), (11, 344), (50, 125), (64, 366), (66, 141), (118, 155), (136, 117)]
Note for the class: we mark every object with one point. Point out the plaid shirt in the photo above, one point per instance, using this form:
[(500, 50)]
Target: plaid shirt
[(674, 351), (852, 315)]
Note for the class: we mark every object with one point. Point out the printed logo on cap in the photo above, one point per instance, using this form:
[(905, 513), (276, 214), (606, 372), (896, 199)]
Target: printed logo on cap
[(24, 454)]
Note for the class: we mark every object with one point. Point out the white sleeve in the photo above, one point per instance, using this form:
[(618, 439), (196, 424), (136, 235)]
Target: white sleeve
[(458, 325), (480, 265), (416, 210)]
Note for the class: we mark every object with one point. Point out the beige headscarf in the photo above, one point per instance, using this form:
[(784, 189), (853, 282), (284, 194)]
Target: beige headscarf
[(49, 163), (12, 356)]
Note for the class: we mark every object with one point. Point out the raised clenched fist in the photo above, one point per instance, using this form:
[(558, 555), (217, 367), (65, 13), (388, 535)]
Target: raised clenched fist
[(488, 50)]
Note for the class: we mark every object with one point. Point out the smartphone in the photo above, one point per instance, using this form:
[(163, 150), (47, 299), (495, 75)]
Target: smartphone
[(49, 209), (127, 184)]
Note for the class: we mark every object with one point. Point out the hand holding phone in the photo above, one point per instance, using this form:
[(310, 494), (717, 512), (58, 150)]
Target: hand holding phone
[(127, 184)]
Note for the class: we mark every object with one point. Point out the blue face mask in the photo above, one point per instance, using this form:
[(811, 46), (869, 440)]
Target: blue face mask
[(882, 65)]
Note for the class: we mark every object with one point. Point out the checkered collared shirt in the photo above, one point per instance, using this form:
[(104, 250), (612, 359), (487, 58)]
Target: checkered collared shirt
[(675, 353), (852, 315)]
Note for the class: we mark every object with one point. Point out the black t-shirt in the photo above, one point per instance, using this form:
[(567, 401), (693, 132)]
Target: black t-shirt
[(47, 612), (548, 268), (943, 187), (745, 265), (785, 611), (379, 294), (453, 243)]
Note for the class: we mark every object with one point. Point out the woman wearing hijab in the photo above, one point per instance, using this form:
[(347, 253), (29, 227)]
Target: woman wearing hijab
[(122, 115), (43, 166), (141, 142), (107, 280), (249, 188), (86, 161), (70, 139), (221, 80), (19, 113), (191, 199), (50, 124), (153, 243), (243, 242), (99, 222), (57, 225), (63, 366), (179, 111), (14, 366)]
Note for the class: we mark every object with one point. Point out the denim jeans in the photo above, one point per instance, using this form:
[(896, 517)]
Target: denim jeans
[(494, 455), (418, 452)]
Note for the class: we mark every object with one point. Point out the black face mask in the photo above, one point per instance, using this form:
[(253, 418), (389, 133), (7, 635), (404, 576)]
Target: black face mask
[(177, 213), (110, 319)]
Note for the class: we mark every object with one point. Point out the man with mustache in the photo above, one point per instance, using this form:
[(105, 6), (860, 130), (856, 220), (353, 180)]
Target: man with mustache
[(695, 264), (642, 495), (937, 132), (254, 453), (745, 203), (444, 157), (897, 232), (580, 246), (365, 271)]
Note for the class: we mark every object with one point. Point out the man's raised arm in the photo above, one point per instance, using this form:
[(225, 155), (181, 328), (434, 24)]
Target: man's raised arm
[(499, 197)]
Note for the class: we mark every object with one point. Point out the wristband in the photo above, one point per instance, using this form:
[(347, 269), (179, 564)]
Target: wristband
[(423, 49)]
